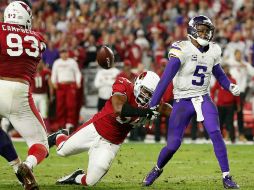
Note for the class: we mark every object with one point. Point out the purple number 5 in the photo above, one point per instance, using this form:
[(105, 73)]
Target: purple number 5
[(199, 72)]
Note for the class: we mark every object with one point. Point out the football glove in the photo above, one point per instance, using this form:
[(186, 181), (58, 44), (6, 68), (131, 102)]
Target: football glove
[(153, 114), (234, 89)]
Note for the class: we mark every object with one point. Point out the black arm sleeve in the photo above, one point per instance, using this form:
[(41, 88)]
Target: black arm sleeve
[(130, 111)]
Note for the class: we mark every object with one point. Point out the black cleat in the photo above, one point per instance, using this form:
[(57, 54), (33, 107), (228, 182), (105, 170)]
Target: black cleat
[(26, 177), (52, 137), (70, 179)]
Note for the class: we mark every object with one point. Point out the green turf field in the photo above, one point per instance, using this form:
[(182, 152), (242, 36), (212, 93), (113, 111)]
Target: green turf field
[(193, 167)]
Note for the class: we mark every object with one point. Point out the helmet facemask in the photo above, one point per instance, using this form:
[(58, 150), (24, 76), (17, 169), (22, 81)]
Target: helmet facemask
[(144, 96), (144, 87), (201, 29)]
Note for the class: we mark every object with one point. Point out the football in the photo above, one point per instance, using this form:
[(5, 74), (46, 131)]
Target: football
[(165, 109), (105, 57)]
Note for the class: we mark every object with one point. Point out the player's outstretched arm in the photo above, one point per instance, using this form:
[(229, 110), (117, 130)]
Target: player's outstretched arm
[(118, 100), (167, 76), (124, 109)]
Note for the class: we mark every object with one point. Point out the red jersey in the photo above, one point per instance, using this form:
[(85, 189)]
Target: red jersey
[(20, 51), (131, 78), (39, 84), (110, 126)]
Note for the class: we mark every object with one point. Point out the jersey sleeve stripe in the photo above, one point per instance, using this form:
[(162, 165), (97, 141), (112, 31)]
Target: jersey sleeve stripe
[(175, 51), (172, 55), (174, 47)]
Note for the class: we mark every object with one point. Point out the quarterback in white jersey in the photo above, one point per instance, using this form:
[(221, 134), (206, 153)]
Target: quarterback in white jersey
[(190, 66), (193, 77)]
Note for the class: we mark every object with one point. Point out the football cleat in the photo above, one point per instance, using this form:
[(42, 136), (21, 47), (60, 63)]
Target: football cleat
[(21, 182), (52, 137), (228, 183), (26, 177), (152, 176), (70, 179)]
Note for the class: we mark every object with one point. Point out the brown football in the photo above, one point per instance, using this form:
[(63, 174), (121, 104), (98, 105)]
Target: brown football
[(105, 57), (165, 109)]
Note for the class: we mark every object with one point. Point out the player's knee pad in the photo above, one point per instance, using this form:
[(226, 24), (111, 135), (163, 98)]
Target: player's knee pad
[(94, 175)]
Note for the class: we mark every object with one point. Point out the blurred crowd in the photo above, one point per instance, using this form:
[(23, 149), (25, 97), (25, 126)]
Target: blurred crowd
[(141, 31)]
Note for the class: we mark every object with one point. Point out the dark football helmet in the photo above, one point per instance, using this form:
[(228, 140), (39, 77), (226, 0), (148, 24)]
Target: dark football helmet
[(194, 29)]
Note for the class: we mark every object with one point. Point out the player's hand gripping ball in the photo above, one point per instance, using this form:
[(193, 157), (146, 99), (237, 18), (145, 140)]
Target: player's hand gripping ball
[(105, 57)]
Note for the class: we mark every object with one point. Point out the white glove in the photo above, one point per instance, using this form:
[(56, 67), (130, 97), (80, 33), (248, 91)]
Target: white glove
[(234, 89)]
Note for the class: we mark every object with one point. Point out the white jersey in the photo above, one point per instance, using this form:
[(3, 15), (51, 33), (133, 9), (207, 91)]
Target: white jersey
[(104, 81), (66, 71), (194, 75)]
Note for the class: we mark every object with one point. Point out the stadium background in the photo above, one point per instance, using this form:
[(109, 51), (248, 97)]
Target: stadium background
[(83, 26), (140, 31)]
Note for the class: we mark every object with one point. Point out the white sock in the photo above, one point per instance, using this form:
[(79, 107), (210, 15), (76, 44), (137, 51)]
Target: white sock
[(158, 167), (224, 174), (31, 161), (15, 164), (69, 126), (78, 178)]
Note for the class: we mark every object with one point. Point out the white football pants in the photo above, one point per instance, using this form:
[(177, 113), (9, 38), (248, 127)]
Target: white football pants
[(16, 104), (101, 152), (41, 103)]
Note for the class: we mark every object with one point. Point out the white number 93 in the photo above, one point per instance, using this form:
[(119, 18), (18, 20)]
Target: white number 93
[(15, 45)]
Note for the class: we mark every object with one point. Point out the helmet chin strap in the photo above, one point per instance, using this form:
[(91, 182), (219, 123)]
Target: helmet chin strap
[(202, 42)]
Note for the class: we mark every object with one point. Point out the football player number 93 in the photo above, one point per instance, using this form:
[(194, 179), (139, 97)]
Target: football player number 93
[(15, 44)]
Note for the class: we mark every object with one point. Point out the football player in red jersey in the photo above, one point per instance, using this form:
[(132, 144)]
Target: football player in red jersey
[(20, 53), (42, 91), (103, 134)]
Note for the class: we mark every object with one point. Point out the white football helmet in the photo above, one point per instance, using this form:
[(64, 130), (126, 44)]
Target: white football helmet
[(144, 87), (18, 12)]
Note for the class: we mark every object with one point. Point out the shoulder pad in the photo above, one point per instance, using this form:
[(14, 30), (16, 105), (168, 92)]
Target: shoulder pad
[(179, 44), (217, 48), (122, 80)]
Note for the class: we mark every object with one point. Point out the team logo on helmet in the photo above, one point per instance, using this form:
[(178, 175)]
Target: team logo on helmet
[(18, 12)]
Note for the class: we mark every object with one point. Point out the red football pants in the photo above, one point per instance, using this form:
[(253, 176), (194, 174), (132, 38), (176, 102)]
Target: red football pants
[(66, 104)]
